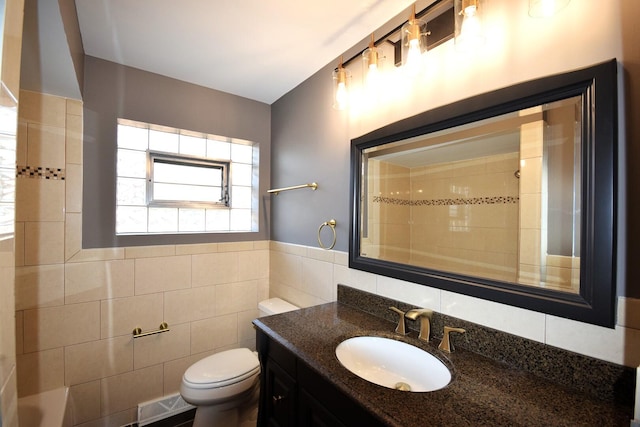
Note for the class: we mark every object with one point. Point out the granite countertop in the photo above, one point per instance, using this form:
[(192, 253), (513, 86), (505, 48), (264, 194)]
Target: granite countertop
[(482, 391)]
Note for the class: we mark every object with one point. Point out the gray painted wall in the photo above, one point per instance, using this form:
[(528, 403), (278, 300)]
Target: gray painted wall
[(113, 91), (312, 144)]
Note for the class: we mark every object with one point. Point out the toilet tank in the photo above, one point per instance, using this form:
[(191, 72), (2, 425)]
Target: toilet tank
[(275, 306)]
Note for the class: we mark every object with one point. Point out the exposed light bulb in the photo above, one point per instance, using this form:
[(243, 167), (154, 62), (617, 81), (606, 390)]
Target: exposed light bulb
[(413, 43), (469, 33), (341, 96)]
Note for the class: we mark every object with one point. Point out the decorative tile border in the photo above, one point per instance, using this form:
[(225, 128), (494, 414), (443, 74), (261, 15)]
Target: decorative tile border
[(497, 200), (40, 172)]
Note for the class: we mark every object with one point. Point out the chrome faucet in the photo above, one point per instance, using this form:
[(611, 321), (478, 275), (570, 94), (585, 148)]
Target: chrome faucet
[(424, 314), (402, 324), (445, 344)]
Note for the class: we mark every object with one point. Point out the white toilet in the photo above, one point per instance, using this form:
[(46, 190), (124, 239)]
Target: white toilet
[(227, 383)]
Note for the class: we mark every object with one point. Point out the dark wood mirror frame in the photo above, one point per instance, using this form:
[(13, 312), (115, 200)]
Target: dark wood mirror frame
[(595, 303)]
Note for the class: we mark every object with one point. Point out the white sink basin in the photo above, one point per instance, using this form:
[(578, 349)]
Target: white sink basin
[(393, 364)]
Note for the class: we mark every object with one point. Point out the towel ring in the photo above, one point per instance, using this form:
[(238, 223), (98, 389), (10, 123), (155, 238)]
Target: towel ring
[(331, 223)]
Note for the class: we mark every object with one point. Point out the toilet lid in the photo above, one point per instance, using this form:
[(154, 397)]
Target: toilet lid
[(223, 367)]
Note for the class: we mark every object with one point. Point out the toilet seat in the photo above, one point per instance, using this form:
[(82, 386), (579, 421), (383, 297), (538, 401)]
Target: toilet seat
[(222, 369)]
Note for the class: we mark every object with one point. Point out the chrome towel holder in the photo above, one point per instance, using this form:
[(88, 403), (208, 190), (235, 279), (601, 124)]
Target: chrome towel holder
[(331, 223)]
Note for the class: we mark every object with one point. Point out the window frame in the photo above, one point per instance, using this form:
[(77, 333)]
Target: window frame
[(187, 160)]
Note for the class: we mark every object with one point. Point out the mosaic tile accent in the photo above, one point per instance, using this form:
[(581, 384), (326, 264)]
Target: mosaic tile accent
[(496, 200), (39, 172)]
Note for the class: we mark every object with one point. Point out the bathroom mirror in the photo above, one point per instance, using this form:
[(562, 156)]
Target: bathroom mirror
[(507, 196)]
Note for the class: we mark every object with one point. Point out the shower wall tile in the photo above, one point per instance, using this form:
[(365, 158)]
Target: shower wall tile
[(39, 200), (39, 286), (216, 268), (202, 248), (235, 297), (52, 327), (92, 281), (46, 110), (201, 302), (44, 243), (120, 316), (40, 371), (45, 146), (72, 235), (73, 140), (162, 274), (97, 359), (156, 349), (255, 264), (124, 391), (214, 333), (19, 332), (73, 189), (86, 401), (149, 251)]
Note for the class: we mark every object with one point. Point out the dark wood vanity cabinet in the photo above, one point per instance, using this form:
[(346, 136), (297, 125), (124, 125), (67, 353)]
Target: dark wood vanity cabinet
[(294, 394)]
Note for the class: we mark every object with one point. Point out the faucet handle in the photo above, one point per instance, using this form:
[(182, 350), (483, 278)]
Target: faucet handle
[(402, 326), (424, 314), (445, 344)]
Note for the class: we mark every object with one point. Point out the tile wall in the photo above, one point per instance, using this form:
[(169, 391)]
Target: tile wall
[(76, 309), (307, 276)]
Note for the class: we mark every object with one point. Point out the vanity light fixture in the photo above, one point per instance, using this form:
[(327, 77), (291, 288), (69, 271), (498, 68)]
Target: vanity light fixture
[(341, 79), (372, 58), (546, 8), (468, 25), (414, 42)]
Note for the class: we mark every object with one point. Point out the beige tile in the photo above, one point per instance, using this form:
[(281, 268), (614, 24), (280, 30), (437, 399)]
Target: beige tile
[(40, 371), (9, 401), (91, 281), (246, 331), (149, 251), (126, 390), (530, 210), (211, 334), (531, 139), (19, 244), (40, 108), (86, 401), (234, 297), (106, 254), (39, 199), (53, 327), (253, 265), (235, 246), (531, 176), (74, 107), (175, 369), (202, 248), (73, 193), (628, 314), (213, 269), (73, 141), (285, 268), (190, 304), (162, 274), (98, 359), (530, 246), (121, 316), (45, 146), (122, 418), (44, 243), (289, 248), (39, 286), (318, 278), (159, 348), (21, 146), (72, 235), (19, 332), (261, 245)]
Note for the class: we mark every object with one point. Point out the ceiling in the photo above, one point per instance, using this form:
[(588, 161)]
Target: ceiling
[(251, 48)]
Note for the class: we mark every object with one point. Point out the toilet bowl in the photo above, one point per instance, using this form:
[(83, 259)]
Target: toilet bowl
[(225, 384)]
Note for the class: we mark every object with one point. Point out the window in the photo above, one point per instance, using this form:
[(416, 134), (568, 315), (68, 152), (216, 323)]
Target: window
[(176, 181)]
